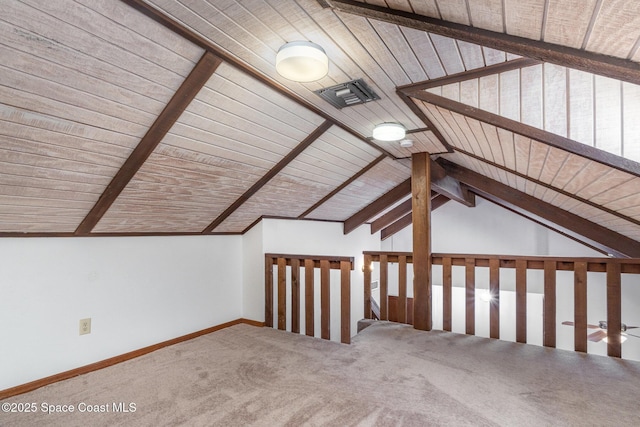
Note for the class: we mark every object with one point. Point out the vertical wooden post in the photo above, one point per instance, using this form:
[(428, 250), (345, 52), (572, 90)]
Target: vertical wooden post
[(494, 290), (580, 306), (295, 295), (384, 289), (521, 300), (325, 300), (402, 289), (421, 208), (549, 311), (309, 317), (367, 287), (268, 291), (446, 294), (345, 302), (614, 308), (282, 294), (470, 292)]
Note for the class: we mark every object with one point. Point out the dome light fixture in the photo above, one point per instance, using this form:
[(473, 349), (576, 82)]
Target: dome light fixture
[(302, 61), (389, 132)]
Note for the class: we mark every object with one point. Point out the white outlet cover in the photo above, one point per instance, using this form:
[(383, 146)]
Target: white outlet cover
[(85, 326)]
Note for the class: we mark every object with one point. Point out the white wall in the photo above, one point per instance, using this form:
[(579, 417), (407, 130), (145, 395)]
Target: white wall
[(308, 238), (138, 291)]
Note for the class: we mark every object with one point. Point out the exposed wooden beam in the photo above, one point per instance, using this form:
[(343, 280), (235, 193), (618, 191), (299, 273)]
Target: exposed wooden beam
[(418, 112), (204, 43), (565, 222), (477, 73), (406, 220), (438, 201), (393, 215), (400, 224), (557, 141), (380, 204), (310, 139), (617, 68), (194, 82), (451, 188), (342, 186)]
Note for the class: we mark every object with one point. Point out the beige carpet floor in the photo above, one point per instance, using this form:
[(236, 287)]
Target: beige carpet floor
[(391, 375)]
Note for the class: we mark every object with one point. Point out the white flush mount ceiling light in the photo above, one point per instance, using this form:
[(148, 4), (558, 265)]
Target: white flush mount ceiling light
[(389, 132), (302, 61)]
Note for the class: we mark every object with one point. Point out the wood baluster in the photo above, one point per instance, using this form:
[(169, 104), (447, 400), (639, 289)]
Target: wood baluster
[(384, 280), (614, 309), (494, 290), (470, 292), (446, 294), (549, 311), (325, 299), (345, 302), (580, 306), (402, 289), (521, 300), (295, 295), (282, 294), (309, 269), (367, 287)]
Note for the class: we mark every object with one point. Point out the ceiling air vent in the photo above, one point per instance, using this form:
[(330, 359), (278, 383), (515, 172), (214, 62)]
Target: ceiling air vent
[(347, 94)]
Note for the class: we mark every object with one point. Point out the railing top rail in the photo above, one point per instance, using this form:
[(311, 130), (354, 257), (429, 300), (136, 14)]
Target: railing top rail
[(333, 260), (512, 257), (628, 265)]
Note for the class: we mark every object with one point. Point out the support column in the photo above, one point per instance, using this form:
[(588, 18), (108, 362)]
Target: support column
[(421, 205)]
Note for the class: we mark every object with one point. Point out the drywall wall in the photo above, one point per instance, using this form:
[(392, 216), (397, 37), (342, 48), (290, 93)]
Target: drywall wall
[(309, 238), (138, 291)]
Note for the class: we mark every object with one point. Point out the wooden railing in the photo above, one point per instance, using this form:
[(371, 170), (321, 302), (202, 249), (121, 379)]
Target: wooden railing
[(613, 267), (309, 263)]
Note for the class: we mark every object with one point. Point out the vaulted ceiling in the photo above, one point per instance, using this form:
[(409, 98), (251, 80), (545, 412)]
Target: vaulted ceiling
[(137, 117)]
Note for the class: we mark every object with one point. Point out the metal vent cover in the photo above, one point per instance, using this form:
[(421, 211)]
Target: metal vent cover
[(347, 94)]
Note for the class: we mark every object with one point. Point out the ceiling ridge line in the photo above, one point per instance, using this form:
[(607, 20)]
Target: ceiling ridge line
[(178, 28), (549, 186), (609, 66), (310, 139), (188, 90), (554, 140)]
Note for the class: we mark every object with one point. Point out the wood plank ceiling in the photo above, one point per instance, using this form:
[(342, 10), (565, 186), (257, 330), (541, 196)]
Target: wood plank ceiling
[(137, 117)]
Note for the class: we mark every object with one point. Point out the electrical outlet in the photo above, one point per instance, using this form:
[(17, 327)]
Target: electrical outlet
[(85, 326)]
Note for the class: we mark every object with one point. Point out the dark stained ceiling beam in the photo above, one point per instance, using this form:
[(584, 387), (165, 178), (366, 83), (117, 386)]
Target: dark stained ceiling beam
[(451, 188), (422, 116), (567, 223), (310, 139), (554, 140), (379, 205), (393, 215), (617, 68), (342, 186), (436, 201), (194, 82), (477, 73)]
